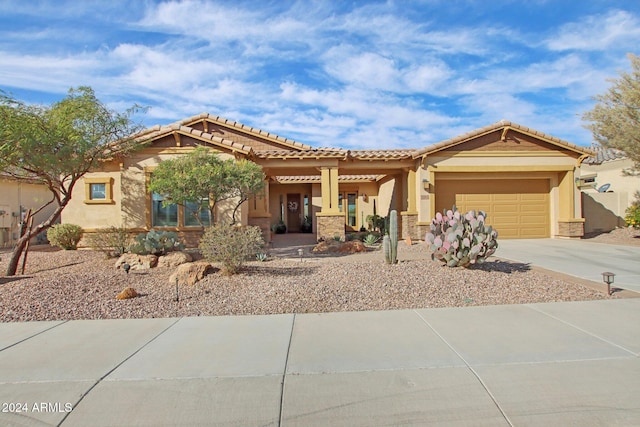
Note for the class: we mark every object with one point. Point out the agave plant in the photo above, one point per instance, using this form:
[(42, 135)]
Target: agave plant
[(461, 239)]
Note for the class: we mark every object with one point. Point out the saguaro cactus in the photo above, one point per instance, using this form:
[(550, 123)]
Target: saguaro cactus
[(390, 241)]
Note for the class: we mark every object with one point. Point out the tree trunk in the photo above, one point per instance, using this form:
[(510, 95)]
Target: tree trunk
[(15, 255)]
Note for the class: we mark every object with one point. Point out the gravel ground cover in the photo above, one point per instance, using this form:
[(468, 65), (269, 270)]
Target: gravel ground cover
[(62, 285)]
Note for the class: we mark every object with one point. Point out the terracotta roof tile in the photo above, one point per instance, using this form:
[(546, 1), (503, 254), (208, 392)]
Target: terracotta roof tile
[(244, 128), (158, 131), (493, 127), (317, 178)]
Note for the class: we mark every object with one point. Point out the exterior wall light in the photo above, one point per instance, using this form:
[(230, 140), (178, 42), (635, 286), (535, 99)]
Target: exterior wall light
[(425, 184)]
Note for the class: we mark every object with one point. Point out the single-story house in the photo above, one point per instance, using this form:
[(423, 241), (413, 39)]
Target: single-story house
[(607, 191), (524, 179), (17, 198)]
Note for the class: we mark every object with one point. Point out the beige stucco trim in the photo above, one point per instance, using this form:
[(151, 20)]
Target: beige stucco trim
[(501, 168), (502, 153)]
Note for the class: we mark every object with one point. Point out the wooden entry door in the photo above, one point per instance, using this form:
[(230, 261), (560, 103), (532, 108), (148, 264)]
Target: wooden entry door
[(294, 213)]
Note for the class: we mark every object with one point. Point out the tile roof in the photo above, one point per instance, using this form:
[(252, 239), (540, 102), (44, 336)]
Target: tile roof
[(493, 127), (158, 131), (244, 128), (603, 154), (336, 153), (317, 178)]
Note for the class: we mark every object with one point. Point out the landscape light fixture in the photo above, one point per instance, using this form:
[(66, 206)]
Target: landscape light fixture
[(607, 277), (126, 267), (300, 253)]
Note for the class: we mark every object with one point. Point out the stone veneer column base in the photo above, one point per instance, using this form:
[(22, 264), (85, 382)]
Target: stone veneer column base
[(410, 225), (330, 225), (573, 228)]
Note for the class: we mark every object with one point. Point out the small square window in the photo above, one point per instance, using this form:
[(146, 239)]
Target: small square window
[(98, 191)]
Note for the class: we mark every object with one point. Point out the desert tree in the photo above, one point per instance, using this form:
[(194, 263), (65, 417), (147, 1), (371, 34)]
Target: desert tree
[(201, 180), (615, 119), (57, 145)]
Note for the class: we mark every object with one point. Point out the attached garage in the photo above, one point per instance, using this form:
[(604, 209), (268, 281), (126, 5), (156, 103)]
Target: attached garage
[(517, 208)]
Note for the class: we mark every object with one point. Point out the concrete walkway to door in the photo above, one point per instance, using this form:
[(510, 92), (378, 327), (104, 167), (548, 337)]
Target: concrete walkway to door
[(586, 260)]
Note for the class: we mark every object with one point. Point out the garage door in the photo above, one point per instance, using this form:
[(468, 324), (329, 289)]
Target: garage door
[(517, 208)]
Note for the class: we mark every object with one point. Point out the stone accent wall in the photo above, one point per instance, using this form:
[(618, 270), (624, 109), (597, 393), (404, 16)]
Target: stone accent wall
[(410, 226), (422, 230), (571, 229), (265, 225), (330, 226)]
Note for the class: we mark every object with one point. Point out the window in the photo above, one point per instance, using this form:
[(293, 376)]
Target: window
[(98, 190), (190, 210), (163, 216)]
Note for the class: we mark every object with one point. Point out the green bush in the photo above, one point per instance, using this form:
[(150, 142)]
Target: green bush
[(156, 243), (113, 241), (632, 215), (65, 236), (231, 246)]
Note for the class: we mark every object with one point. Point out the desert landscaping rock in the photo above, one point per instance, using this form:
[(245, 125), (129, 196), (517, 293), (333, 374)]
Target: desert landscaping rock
[(137, 262), (191, 273), (174, 259), (61, 285), (127, 293)]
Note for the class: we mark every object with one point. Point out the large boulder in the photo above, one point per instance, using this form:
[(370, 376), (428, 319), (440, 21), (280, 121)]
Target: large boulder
[(137, 262), (174, 259), (327, 246), (191, 272), (352, 247)]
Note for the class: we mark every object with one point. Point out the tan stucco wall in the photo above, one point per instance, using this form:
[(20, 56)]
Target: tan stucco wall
[(610, 172), (91, 216), (564, 198), (130, 205), (15, 194)]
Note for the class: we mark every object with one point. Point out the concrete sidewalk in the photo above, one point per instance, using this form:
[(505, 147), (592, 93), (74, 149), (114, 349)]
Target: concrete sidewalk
[(579, 258), (535, 364)]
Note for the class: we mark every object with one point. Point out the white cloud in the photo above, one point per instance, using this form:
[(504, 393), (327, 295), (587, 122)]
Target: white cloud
[(598, 32)]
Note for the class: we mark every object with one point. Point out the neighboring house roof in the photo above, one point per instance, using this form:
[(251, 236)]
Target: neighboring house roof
[(505, 125), (603, 154)]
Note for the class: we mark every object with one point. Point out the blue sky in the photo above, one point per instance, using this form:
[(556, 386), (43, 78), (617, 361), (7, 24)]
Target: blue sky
[(353, 74)]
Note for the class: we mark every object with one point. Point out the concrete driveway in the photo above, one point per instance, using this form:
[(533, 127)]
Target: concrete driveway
[(579, 258)]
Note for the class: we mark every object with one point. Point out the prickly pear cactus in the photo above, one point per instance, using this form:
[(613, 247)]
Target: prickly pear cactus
[(461, 239)]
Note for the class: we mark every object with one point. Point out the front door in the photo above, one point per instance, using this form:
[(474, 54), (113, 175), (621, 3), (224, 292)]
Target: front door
[(294, 213)]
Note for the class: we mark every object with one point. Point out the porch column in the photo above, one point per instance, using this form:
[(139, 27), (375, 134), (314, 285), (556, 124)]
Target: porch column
[(259, 214), (329, 221), (410, 216), (568, 224), (329, 190)]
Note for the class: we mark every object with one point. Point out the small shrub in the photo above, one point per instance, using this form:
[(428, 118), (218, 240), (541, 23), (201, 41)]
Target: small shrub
[(461, 240), (230, 246), (632, 215), (113, 241), (65, 236), (156, 243)]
